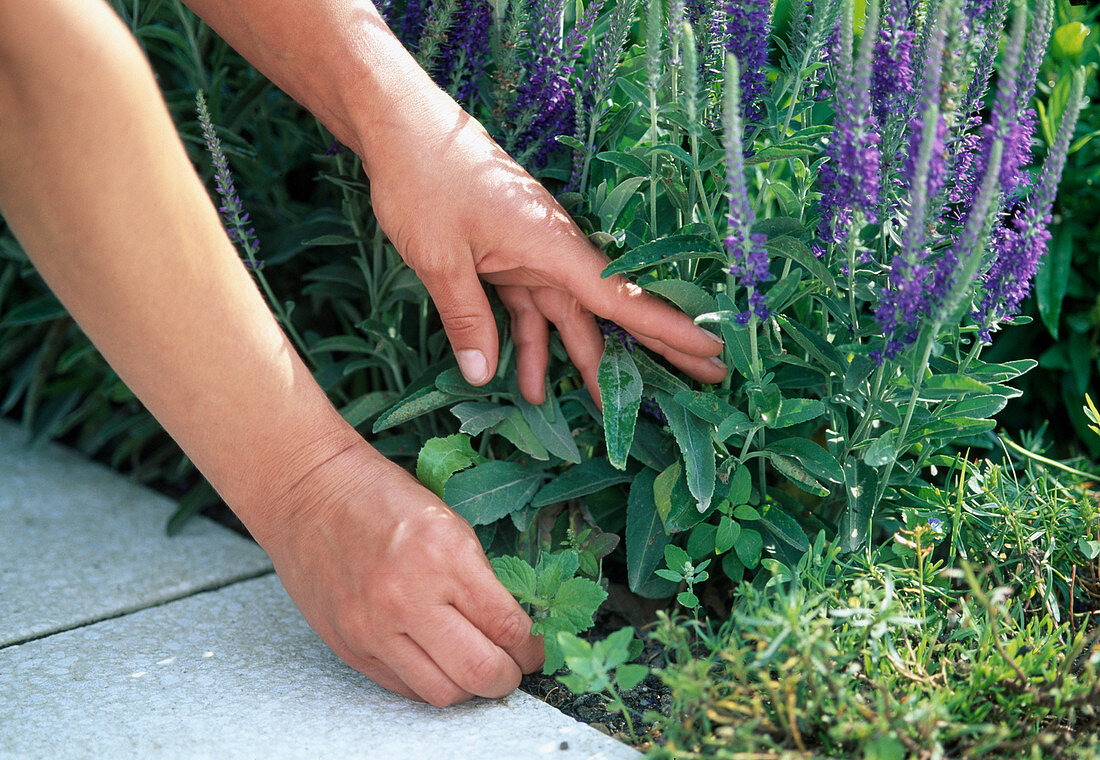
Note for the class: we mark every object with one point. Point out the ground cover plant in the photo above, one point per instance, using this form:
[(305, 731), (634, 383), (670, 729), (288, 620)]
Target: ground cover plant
[(846, 192)]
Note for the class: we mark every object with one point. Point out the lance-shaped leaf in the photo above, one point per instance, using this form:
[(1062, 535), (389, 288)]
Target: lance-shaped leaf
[(621, 391), (696, 441), (490, 491)]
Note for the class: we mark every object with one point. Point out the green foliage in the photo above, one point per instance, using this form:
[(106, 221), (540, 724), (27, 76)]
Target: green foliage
[(603, 667), (558, 600)]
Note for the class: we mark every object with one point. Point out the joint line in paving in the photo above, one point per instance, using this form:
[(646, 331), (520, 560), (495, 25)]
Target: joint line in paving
[(215, 586)]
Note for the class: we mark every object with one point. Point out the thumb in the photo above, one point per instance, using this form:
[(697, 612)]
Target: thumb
[(468, 320)]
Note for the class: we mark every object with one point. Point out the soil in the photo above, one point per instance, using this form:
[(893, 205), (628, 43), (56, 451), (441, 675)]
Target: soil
[(649, 697)]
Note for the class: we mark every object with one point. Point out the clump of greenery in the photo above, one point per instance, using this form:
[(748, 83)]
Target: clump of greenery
[(912, 651)]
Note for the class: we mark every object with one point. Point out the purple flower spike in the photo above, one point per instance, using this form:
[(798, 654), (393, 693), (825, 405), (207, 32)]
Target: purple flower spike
[(1021, 242), (850, 177), (464, 51), (746, 36), (892, 71), (232, 211)]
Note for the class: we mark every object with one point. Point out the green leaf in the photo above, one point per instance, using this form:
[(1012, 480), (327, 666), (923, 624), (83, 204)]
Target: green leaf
[(629, 676), (451, 381), (586, 478), (664, 251), (689, 297), (727, 534), (816, 460), (440, 458), (776, 226), (696, 441), (779, 153), (478, 416), (516, 430), (662, 489), (859, 482), (701, 542), (621, 391), (949, 386), (576, 603), (688, 599), (553, 570), (794, 411), (784, 527), (633, 164), (366, 406), (740, 485), (814, 345), (1052, 279), (676, 558), (645, 531), (883, 450), (705, 406), (746, 512), (616, 201), (748, 547), (795, 473), (549, 426), (516, 576), (490, 491), (779, 296), (950, 429), (738, 423), (1091, 549), (420, 402), (656, 377), (794, 249)]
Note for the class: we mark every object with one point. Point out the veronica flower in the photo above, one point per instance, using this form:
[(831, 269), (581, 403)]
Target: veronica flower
[(545, 104), (892, 70), (1020, 244), (236, 219), (746, 31), (677, 13), (850, 176), (464, 51), (412, 25), (907, 297), (747, 254)]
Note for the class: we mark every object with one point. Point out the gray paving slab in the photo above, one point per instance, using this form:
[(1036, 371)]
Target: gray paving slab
[(236, 673), (79, 543)]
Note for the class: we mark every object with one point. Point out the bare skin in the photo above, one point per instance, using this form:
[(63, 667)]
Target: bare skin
[(101, 195)]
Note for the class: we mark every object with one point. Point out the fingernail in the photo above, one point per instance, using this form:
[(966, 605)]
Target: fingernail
[(713, 337), (474, 366), (718, 363)]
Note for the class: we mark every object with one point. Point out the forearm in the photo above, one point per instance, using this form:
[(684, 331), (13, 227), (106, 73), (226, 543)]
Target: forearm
[(100, 193), (338, 59)]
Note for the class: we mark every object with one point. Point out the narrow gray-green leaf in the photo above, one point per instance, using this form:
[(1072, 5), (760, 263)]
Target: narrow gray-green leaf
[(696, 441), (621, 391), (645, 531), (586, 478)]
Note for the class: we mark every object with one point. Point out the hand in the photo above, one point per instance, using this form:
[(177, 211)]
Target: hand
[(397, 584), (456, 207)]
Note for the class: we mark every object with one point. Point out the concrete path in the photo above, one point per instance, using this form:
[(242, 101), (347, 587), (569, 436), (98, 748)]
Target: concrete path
[(116, 641)]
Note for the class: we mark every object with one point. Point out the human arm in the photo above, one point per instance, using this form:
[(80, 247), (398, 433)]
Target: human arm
[(101, 195)]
